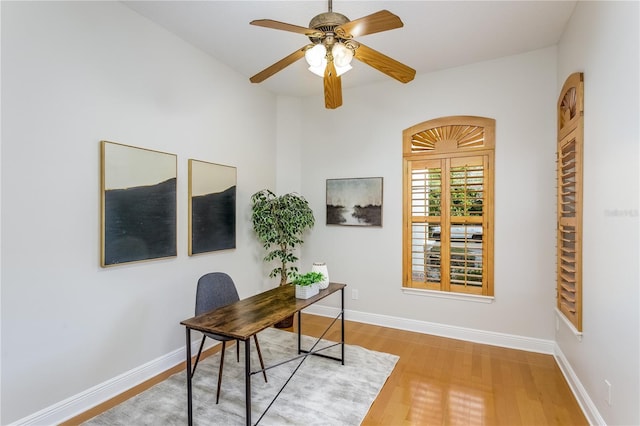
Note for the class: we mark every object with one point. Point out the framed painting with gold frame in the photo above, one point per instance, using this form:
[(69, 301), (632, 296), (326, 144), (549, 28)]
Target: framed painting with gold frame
[(138, 204), (212, 207)]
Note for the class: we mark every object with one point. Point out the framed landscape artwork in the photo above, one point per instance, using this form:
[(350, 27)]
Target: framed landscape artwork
[(138, 200), (354, 201), (212, 207)]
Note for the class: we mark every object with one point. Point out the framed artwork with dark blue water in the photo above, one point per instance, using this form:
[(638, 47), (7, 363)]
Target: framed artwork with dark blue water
[(212, 207), (138, 204)]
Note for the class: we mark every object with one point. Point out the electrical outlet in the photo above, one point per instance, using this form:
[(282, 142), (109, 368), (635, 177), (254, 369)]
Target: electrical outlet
[(354, 294), (608, 391)]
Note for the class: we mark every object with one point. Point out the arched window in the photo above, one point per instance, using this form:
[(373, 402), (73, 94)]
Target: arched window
[(448, 177), (569, 233)]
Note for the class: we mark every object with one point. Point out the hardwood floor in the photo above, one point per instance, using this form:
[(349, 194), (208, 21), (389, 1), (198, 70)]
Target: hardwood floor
[(439, 381)]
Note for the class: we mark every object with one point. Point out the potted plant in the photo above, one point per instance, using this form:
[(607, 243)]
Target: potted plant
[(279, 223), (307, 284)]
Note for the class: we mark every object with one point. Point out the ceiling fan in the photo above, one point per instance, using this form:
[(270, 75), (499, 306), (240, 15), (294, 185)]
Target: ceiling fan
[(333, 46)]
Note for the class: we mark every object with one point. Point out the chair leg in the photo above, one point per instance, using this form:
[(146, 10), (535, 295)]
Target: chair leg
[(198, 357), (224, 344), (264, 373), (238, 350)]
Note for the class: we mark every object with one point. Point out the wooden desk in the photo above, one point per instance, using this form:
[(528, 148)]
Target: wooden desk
[(245, 318)]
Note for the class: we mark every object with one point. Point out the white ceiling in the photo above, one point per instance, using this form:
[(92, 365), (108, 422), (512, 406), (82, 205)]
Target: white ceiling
[(436, 34)]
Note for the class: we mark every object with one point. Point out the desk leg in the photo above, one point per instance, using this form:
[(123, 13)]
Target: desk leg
[(299, 331), (247, 378), (189, 407), (342, 325)]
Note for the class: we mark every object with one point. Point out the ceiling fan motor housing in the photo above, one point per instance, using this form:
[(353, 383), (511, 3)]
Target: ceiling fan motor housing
[(326, 22)]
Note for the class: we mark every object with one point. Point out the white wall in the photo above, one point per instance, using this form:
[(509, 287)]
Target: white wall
[(365, 140), (74, 73), (288, 169), (602, 40)]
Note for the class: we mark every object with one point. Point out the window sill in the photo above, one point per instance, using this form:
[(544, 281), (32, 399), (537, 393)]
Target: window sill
[(569, 325), (447, 295)]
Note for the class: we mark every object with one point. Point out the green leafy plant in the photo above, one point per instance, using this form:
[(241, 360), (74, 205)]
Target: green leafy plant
[(308, 278), (279, 223)]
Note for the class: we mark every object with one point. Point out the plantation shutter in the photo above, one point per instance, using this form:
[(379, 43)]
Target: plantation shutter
[(467, 224), (448, 205), (569, 208), (426, 223)]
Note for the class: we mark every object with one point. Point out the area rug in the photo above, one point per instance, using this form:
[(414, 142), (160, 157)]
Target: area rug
[(322, 392)]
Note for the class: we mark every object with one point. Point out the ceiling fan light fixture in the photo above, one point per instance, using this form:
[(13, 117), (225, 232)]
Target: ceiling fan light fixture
[(316, 56), (342, 70), (342, 55), (319, 69)]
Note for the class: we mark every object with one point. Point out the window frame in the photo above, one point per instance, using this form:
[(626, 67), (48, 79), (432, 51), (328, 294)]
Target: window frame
[(447, 141)]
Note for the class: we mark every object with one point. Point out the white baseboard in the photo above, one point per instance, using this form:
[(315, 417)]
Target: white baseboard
[(443, 330), (78, 404), (586, 403)]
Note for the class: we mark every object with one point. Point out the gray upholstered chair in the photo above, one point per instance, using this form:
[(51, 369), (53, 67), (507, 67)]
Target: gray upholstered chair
[(216, 289)]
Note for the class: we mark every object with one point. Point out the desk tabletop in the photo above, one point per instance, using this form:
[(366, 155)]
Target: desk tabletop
[(246, 317)]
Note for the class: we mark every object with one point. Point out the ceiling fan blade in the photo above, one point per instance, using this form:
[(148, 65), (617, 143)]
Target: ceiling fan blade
[(370, 24), (277, 25), (385, 64), (280, 65), (332, 87)]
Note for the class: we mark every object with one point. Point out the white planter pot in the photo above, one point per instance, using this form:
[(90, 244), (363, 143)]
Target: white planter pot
[(306, 291)]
